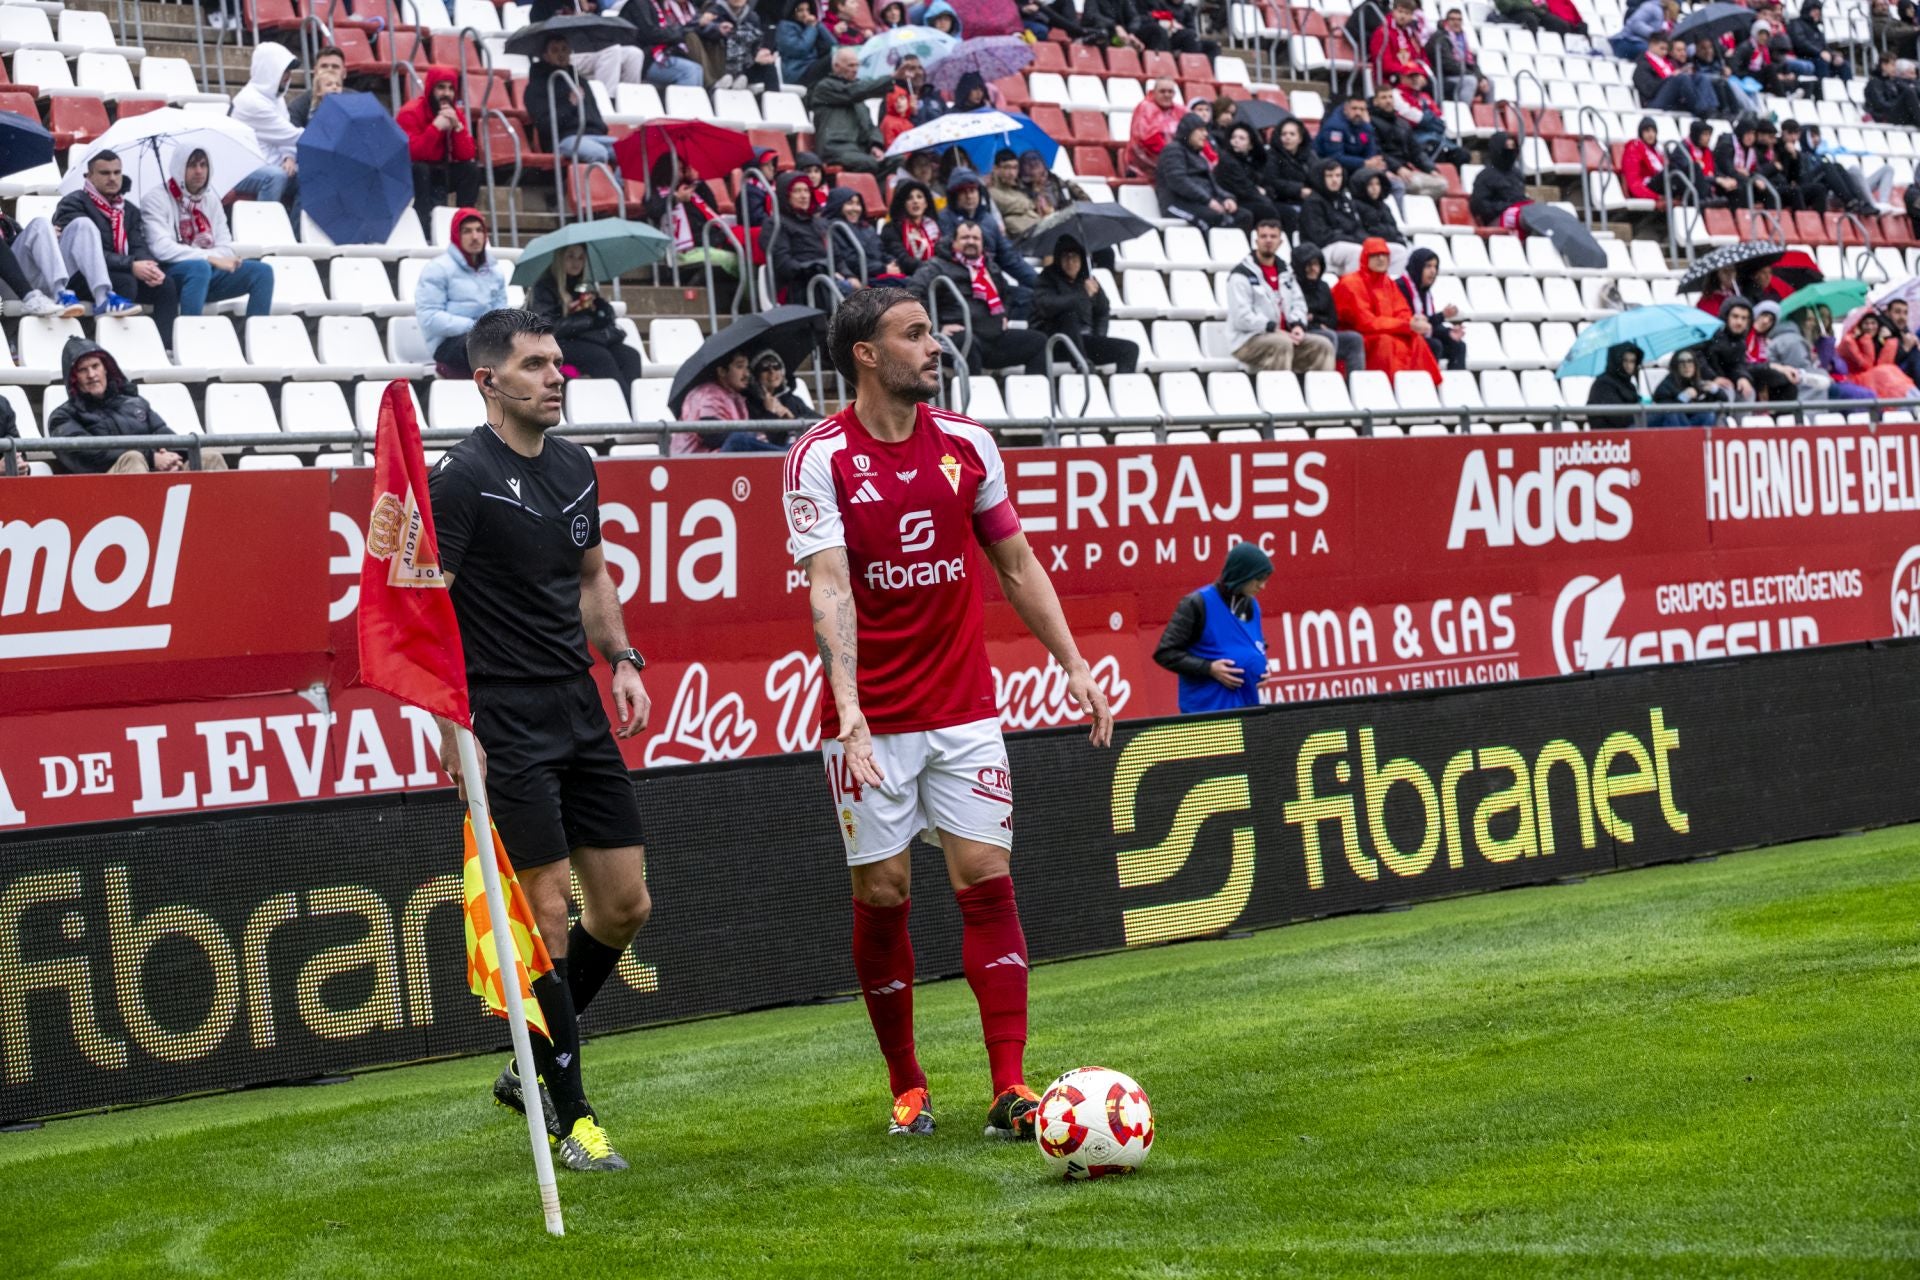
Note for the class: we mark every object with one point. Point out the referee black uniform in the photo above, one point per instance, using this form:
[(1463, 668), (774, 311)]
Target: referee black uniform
[(512, 533)]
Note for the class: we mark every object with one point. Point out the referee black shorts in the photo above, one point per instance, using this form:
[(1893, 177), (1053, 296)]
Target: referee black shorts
[(555, 779)]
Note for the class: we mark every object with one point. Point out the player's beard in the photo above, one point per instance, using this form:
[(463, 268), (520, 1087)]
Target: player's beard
[(905, 382)]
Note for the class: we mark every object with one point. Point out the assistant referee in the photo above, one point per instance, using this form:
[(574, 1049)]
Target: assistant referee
[(519, 522)]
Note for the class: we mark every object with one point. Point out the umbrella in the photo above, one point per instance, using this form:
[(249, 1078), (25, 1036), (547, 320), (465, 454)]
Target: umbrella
[(613, 249), (789, 331), (1711, 21), (987, 17), (1578, 249), (146, 143), (1798, 269), (1907, 290), (1095, 226), (1838, 296), (1746, 253), (991, 56), (1259, 114), (24, 144), (708, 149), (585, 33), (356, 178), (953, 128), (880, 55), (1657, 330)]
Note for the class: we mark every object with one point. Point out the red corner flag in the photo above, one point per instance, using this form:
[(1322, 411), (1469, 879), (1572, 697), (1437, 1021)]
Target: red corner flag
[(409, 640)]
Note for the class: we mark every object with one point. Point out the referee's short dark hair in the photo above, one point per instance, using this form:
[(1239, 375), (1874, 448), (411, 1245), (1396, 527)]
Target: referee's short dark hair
[(857, 320), (490, 341)]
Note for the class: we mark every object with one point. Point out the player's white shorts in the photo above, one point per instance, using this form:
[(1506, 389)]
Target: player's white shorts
[(953, 780)]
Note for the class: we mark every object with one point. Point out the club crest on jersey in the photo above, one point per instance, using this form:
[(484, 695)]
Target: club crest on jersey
[(863, 464), (950, 468)]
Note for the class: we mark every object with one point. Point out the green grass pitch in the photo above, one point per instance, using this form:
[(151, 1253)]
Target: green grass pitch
[(1700, 1070)]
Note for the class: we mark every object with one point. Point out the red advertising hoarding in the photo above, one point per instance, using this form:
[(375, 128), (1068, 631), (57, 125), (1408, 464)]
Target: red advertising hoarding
[(171, 643)]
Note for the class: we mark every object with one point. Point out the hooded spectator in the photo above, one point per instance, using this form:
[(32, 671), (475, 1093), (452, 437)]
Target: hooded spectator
[(806, 47), (1291, 162), (941, 17), (101, 404), (1309, 271), (747, 59), (1185, 184), (1735, 357), (856, 242), (720, 398), (1068, 301), (1735, 156), (963, 261), (1368, 303), (1416, 286), (440, 144), (1376, 215), (900, 109), (187, 234), (772, 394), (1695, 160), (1215, 641), (570, 124), (583, 321), (1809, 40), (259, 107), (456, 289), (1332, 220), (1499, 187), (798, 251), (1685, 388), (912, 234), (1242, 172), (967, 202), (1792, 347), (1619, 385), (971, 92), (1641, 164), (1155, 118), (136, 276), (1267, 314), (843, 133)]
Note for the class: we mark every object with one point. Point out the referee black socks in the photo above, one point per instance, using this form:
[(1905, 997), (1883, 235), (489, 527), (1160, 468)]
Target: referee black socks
[(557, 1055), (589, 961)]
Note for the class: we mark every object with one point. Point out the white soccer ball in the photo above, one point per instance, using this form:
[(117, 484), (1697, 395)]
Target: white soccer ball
[(1094, 1122)]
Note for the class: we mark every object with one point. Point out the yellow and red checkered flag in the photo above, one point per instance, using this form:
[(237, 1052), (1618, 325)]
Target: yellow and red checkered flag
[(483, 966)]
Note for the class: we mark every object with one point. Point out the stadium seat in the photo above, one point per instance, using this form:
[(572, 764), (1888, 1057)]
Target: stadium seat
[(454, 404), (366, 405), (349, 347), (210, 343), (314, 406), (282, 341), (649, 396), (596, 402)]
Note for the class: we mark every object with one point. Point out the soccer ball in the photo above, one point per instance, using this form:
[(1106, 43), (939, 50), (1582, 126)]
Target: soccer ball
[(1094, 1122)]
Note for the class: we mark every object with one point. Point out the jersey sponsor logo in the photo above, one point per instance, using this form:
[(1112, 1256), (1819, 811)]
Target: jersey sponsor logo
[(885, 575), (581, 528), (916, 531), (801, 513), (866, 492), (950, 468), (863, 464)]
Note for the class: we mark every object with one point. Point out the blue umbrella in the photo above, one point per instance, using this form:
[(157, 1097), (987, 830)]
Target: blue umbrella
[(24, 143), (355, 176), (1026, 136), (1657, 330)]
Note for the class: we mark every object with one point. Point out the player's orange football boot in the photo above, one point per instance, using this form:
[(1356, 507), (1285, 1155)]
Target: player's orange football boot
[(912, 1113), (1013, 1114)]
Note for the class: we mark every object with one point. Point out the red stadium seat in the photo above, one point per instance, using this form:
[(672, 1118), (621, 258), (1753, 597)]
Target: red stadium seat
[(137, 107), (502, 134), (1897, 231), (1049, 57), (363, 57), (1089, 127), (1808, 228), (1451, 175), (1454, 211), (276, 15), (589, 185), (1093, 162), (1238, 92), (765, 138), (1125, 63), (1161, 66), (1014, 89), (1085, 59), (1550, 125), (1278, 97), (1051, 119), (81, 120), (864, 184), (1196, 66)]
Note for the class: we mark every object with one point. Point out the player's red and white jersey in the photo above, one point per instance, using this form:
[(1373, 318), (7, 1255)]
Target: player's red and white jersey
[(908, 515)]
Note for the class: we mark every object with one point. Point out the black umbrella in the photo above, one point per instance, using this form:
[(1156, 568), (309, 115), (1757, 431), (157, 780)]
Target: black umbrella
[(1711, 21), (787, 331), (24, 144), (1258, 113), (1748, 253), (1095, 226), (1578, 249), (585, 33)]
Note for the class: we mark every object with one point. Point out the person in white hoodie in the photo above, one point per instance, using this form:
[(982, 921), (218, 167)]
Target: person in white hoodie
[(187, 233), (260, 107)]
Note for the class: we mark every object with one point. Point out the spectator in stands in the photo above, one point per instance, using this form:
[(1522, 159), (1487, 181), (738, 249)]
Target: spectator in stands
[(1664, 85), (848, 226), (1330, 220), (611, 65), (440, 144), (1734, 157), (1010, 200), (1500, 187), (1214, 641), (1323, 320), (840, 22), (900, 109), (1395, 48), (1809, 41), (1684, 388), (582, 320), (679, 204), (1618, 385), (1445, 337), (1456, 67), (1641, 163), (1267, 311), (258, 106), (1645, 20), (1810, 180), (1069, 301), (940, 16), (770, 394), (1410, 135), (1376, 215), (1709, 59), (1347, 136), (1792, 347), (102, 404), (1760, 284), (1558, 16), (187, 234), (132, 270), (1721, 286), (911, 238), (966, 266), (1734, 358), (1184, 182), (798, 250), (1869, 356), (1170, 28), (721, 398), (1759, 64), (660, 28), (328, 76), (1895, 325), (1242, 172), (1894, 30), (1368, 303), (806, 48), (457, 288), (1889, 97), (1069, 16), (39, 265), (843, 133), (1845, 167), (1695, 161), (1049, 193), (1154, 120), (747, 58), (967, 202), (1291, 163), (1766, 315), (572, 125)]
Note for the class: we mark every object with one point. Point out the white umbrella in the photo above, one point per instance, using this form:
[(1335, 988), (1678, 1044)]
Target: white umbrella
[(146, 145), (956, 126)]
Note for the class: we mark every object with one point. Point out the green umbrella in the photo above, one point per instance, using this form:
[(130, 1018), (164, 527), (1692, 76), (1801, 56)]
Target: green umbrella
[(1838, 296), (613, 249)]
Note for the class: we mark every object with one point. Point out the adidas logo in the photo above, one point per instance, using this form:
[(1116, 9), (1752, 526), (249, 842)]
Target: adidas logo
[(866, 492), (895, 986), (1011, 958)]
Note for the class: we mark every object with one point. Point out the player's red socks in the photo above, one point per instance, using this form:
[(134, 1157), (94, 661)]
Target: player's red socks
[(993, 951), (883, 960)]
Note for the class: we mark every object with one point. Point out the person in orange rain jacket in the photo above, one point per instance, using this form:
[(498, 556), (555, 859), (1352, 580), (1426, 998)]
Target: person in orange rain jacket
[(1368, 303)]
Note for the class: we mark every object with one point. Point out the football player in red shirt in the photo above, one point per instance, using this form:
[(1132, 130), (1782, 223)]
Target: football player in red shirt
[(883, 502)]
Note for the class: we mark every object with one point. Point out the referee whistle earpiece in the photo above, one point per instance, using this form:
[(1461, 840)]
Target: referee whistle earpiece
[(507, 394)]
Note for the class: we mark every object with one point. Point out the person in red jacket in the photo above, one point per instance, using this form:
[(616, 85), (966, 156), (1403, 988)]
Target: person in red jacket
[(440, 141), (1369, 303), (1641, 163)]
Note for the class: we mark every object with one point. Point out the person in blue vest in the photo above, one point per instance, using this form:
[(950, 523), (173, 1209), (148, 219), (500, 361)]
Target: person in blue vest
[(1214, 641)]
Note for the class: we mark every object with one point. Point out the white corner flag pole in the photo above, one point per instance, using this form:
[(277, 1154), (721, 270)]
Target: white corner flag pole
[(508, 959)]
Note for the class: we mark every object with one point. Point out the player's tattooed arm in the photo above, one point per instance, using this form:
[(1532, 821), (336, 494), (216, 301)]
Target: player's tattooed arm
[(836, 631)]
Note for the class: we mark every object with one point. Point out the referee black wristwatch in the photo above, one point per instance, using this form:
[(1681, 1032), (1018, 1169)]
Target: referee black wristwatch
[(628, 655)]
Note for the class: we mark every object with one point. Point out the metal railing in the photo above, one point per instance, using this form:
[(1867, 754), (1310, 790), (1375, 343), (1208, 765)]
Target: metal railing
[(940, 284), (560, 161), (1595, 212), (821, 288), (513, 183), (744, 286)]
